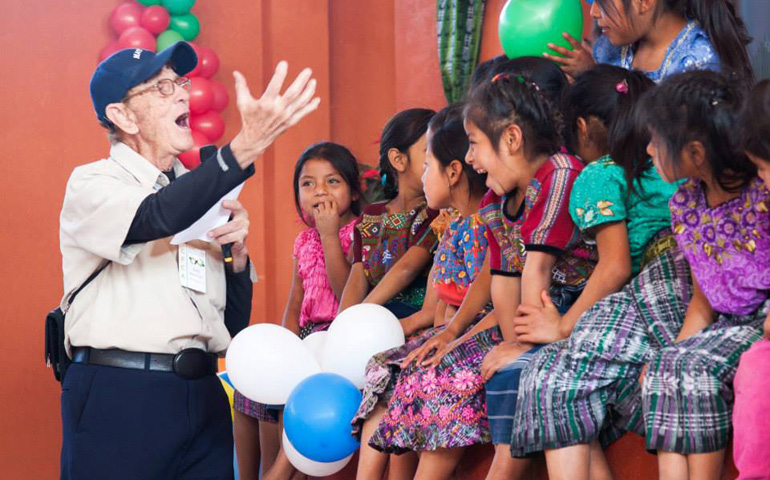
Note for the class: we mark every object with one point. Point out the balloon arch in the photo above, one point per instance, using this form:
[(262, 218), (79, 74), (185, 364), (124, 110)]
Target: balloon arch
[(156, 25)]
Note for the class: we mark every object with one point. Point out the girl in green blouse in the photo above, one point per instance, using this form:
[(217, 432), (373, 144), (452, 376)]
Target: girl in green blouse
[(620, 202)]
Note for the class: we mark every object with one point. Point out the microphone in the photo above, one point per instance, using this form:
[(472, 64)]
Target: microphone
[(227, 255)]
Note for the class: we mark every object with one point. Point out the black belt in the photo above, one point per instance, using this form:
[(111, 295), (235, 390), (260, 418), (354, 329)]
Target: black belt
[(190, 363)]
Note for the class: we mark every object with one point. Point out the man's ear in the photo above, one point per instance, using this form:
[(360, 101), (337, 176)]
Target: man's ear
[(122, 118), (398, 160), (512, 140)]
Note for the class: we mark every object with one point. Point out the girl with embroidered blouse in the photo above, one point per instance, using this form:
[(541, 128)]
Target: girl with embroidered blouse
[(439, 404), (621, 203), (721, 220), (662, 38), (752, 380), (450, 184), (328, 197), (393, 241)]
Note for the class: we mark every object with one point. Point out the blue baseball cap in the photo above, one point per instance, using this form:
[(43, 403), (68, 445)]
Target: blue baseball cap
[(123, 70)]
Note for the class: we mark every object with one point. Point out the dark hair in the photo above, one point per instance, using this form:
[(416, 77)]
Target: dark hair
[(342, 160), (516, 99), (448, 142), (401, 132), (700, 106), (545, 73), (610, 94), (484, 70), (755, 121), (724, 27)]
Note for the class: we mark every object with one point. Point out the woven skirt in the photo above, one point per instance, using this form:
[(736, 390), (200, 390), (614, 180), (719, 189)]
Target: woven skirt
[(441, 407), (688, 389), (586, 387), (269, 413)]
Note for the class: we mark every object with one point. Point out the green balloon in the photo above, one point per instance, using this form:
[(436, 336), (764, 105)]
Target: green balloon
[(527, 26), (168, 38), (187, 25), (178, 7), (149, 2)]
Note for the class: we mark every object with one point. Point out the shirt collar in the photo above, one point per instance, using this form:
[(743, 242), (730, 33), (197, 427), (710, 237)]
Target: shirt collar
[(145, 172)]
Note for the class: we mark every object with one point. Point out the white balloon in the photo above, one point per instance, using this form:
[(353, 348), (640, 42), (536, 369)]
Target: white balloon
[(311, 467), (315, 342), (355, 335), (265, 362)]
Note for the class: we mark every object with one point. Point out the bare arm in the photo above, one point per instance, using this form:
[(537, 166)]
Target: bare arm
[(611, 273), (356, 287), (506, 297), (476, 298), (699, 313), (425, 317), (294, 304), (544, 324), (400, 275)]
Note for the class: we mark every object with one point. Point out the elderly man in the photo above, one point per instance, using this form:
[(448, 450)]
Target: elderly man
[(141, 400)]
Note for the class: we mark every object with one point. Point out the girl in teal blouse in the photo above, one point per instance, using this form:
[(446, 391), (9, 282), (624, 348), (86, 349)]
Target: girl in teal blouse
[(618, 202)]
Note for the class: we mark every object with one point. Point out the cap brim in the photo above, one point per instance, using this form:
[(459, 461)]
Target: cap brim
[(181, 55)]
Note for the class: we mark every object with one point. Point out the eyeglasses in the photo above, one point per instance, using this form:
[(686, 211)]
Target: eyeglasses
[(165, 86)]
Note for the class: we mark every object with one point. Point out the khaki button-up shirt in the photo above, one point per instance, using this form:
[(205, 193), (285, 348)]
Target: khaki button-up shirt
[(137, 303)]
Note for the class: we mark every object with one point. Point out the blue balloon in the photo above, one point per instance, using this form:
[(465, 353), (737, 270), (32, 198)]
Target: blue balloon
[(318, 414)]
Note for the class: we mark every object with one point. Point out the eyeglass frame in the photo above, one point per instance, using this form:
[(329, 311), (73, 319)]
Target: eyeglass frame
[(183, 82)]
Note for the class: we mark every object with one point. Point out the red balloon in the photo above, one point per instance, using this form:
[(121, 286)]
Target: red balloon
[(137, 37), (125, 16), (192, 158), (155, 19), (209, 124), (221, 98), (195, 71), (108, 50), (208, 62), (201, 95)]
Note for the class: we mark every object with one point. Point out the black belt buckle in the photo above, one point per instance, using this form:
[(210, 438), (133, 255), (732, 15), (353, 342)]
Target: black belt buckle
[(191, 364)]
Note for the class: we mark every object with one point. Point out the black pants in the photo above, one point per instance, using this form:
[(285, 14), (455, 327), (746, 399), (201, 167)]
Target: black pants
[(122, 424)]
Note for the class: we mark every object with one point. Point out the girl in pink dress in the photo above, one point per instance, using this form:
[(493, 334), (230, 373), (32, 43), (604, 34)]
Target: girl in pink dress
[(328, 197)]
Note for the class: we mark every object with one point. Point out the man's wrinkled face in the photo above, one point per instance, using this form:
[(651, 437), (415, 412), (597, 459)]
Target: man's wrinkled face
[(163, 120)]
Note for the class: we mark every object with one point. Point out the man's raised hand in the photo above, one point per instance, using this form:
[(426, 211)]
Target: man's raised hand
[(263, 120)]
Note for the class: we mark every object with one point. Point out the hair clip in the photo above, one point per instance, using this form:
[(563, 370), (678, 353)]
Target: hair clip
[(622, 86), (384, 179), (499, 76), (714, 98)]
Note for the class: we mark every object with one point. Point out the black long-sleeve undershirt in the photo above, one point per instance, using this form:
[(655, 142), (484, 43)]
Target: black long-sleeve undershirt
[(179, 204)]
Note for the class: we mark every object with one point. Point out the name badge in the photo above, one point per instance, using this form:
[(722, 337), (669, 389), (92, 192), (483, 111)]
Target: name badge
[(192, 268)]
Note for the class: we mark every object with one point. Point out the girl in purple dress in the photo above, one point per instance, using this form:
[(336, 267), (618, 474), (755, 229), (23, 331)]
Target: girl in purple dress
[(721, 220)]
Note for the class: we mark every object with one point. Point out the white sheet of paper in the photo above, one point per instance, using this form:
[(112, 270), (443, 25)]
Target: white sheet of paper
[(215, 217)]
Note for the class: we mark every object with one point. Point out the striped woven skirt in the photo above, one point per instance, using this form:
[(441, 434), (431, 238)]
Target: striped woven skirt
[(586, 387), (269, 413), (442, 407), (502, 389), (688, 389)]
